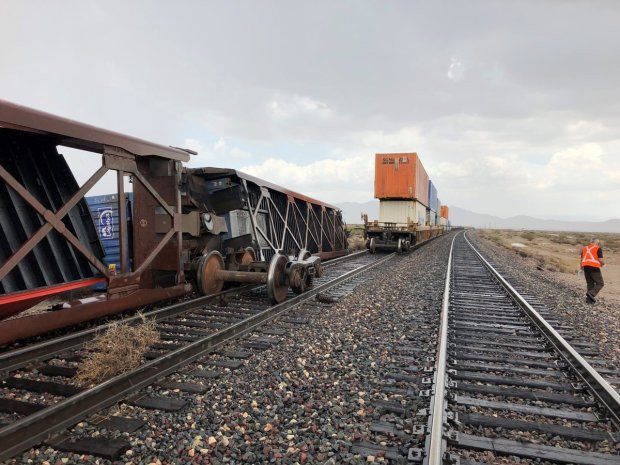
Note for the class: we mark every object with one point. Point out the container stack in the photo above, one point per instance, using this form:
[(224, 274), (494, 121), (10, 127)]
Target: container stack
[(432, 204), (401, 185), (406, 194), (443, 214), (408, 204)]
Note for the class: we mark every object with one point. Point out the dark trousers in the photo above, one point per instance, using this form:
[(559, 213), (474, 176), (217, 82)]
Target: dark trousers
[(594, 279)]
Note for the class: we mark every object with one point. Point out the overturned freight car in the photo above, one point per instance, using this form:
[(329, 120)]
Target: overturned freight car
[(247, 230), (188, 229)]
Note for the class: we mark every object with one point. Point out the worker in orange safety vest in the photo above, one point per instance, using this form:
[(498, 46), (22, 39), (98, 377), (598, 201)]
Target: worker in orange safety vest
[(591, 263)]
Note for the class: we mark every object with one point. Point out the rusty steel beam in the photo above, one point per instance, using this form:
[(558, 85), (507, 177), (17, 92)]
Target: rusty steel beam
[(122, 220), (53, 221), (147, 261), (154, 193), (81, 136), (81, 311), (15, 302), (180, 278), (333, 254)]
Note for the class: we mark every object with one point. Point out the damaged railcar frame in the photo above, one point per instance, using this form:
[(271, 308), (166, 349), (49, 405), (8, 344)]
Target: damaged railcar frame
[(192, 229), (278, 219), (273, 236), (155, 170)]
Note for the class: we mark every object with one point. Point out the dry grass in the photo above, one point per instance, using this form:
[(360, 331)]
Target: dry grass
[(494, 236), (558, 264), (357, 243), (119, 349), (528, 235), (356, 237), (608, 240), (546, 261)]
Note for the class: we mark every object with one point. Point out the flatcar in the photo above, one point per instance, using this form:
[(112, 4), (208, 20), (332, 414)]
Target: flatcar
[(397, 237), (408, 204), (189, 229)]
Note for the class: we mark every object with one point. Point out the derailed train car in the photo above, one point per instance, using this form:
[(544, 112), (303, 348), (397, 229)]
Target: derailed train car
[(191, 229), (253, 231)]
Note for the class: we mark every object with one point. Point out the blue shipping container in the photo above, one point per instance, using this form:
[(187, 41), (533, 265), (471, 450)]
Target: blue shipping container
[(432, 196), (104, 212)]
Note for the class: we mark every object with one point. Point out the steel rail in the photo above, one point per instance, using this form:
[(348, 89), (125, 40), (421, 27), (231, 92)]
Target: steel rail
[(18, 358), (435, 448), (31, 430), (593, 380)]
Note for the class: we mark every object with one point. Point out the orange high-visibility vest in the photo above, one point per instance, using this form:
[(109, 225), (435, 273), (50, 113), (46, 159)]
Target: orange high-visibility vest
[(589, 256)]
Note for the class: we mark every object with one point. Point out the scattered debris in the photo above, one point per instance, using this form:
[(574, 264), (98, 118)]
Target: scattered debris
[(117, 350)]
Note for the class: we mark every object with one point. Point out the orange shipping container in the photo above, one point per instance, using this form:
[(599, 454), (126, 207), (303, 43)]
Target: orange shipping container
[(444, 212), (400, 176)]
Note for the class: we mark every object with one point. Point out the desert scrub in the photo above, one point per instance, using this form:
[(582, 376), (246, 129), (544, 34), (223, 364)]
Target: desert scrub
[(557, 264), (608, 240), (119, 349), (356, 242), (528, 235), (495, 236), (563, 239), (611, 241)]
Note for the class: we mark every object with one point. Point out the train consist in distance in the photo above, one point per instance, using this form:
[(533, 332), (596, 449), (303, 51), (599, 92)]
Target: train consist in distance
[(409, 210), (189, 229)]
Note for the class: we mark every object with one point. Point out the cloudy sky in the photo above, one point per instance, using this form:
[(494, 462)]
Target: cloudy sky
[(514, 107)]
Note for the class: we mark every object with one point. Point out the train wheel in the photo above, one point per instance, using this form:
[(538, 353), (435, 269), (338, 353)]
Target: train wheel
[(372, 248), (308, 279), (303, 282), (407, 246), (276, 279), (248, 256), (205, 274), (303, 254)]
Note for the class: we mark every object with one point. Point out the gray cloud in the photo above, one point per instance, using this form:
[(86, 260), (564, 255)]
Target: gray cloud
[(489, 93)]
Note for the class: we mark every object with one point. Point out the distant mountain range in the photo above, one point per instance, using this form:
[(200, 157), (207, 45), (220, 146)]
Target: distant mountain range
[(462, 217)]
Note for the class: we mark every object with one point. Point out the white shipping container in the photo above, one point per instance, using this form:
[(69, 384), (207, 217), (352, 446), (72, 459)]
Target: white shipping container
[(402, 211), (443, 221)]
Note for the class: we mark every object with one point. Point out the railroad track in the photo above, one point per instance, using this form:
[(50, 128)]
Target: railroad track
[(189, 331), (17, 357), (507, 383)]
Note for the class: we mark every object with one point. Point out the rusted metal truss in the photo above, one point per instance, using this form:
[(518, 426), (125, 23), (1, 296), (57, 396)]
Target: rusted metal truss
[(179, 217), (53, 220), (41, 216), (278, 220), (155, 169), (291, 224)]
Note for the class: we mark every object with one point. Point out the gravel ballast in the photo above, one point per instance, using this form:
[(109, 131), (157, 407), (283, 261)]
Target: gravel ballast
[(309, 398)]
